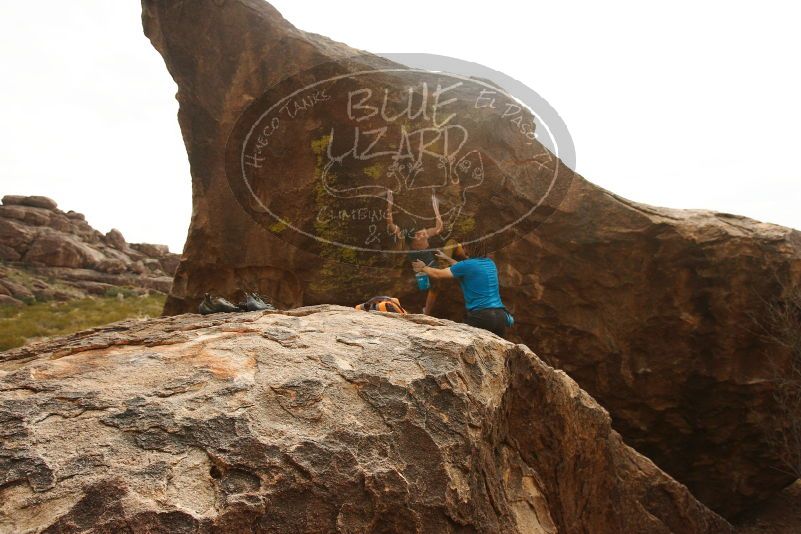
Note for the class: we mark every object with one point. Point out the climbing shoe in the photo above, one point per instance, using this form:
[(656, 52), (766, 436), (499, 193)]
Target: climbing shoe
[(253, 302), (215, 305)]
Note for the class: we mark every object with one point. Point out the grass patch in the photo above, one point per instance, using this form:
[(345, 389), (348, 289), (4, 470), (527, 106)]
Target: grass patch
[(42, 319)]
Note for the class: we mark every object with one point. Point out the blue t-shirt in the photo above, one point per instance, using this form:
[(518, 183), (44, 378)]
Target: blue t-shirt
[(479, 280)]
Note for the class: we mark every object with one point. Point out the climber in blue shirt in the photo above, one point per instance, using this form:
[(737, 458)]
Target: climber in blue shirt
[(478, 278)]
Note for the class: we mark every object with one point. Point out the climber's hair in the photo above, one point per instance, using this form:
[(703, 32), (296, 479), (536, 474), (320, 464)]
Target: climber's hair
[(477, 249)]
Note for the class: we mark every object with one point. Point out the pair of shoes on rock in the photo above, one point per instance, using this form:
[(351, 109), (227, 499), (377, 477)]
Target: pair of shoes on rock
[(252, 302)]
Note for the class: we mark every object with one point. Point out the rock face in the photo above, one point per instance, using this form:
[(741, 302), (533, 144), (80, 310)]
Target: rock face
[(64, 257), (656, 312), (33, 201), (651, 310), (320, 419)]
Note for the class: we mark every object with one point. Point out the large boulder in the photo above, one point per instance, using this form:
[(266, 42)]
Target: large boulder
[(26, 214), (661, 315), (56, 249), (115, 239), (33, 201), (320, 419), (167, 261), (8, 253), (150, 250), (16, 290), (651, 310), (9, 301), (16, 235)]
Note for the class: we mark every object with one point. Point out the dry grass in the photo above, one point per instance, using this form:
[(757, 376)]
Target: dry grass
[(42, 319)]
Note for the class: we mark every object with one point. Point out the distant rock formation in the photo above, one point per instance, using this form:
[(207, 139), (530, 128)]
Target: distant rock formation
[(651, 310), (64, 257), (319, 419)]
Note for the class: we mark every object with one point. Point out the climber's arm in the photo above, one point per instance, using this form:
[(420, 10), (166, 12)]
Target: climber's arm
[(433, 272)]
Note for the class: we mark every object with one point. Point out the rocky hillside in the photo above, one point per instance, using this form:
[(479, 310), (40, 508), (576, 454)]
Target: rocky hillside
[(48, 254), (653, 311), (319, 419)]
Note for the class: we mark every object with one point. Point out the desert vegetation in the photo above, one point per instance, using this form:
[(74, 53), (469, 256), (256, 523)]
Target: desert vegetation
[(19, 325)]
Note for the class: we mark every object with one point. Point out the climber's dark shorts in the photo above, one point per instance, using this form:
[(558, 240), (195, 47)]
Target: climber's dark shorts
[(492, 319)]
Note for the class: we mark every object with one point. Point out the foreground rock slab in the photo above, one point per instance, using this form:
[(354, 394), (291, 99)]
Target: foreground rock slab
[(322, 419)]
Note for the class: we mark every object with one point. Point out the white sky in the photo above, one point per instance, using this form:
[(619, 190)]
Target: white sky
[(684, 104)]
